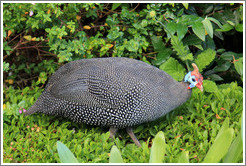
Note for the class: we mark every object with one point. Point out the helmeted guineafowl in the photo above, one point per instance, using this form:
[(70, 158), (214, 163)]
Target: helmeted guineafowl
[(113, 92)]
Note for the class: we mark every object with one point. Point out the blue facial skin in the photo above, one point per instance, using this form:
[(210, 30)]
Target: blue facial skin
[(190, 79)]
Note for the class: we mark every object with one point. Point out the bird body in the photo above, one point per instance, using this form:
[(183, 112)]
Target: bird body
[(111, 92)]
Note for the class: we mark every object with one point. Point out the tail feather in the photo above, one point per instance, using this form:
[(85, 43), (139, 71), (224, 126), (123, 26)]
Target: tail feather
[(33, 109)]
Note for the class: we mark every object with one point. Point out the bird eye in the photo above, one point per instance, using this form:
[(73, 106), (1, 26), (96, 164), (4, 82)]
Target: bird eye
[(193, 79)]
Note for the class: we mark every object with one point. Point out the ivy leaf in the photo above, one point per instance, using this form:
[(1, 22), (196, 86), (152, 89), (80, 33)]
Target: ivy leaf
[(174, 69), (205, 58), (208, 26), (199, 30)]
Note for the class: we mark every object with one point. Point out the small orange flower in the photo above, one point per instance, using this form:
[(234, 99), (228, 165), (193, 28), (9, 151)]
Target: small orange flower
[(78, 17), (222, 108), (87, 27), (217, 116)]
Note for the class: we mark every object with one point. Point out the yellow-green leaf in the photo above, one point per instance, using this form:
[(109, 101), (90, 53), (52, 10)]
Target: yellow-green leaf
[(28, 37), (115, 156), (220, 147), (158, 148), (205, 58), (208, 26)]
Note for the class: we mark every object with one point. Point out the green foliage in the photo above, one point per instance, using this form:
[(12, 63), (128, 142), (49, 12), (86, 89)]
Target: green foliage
[(115, 155), (173, 68), (205, 58), (209, 86), (66, 156), (235, 151), (220, 146), (184, 157), (5, 66), (158, 148)]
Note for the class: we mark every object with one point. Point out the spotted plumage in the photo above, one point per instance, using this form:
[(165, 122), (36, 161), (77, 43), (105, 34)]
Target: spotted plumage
[(112, 92)]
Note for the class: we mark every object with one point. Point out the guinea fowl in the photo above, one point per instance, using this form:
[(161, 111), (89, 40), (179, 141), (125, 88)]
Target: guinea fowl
[(113, 92)]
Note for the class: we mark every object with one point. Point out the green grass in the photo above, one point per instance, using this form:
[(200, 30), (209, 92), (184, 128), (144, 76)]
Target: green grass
[(191, 127)]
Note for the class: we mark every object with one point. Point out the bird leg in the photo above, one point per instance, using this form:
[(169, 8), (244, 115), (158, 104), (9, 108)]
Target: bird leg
[(132, 135), (112, 131)]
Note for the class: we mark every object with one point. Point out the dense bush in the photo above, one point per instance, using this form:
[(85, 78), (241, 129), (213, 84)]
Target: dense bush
[(40, 37)]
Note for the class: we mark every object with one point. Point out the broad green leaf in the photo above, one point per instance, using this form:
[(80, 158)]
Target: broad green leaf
[(199, 46), (208, 26), (172, 28), (239, 27), (220, 147), (239, 66), (174, 69), (66, 156), (205, 58), (229, 55), (192, 40), (115, 6), (157, 43), (215, 77), (115, 155), (158, 148), (225, 28), (163, 52), (181, 31), (186, 5), (235, 150), (199, 30), (215, 21), (222, 67), (184, 157), (224, 127), (209, 86)]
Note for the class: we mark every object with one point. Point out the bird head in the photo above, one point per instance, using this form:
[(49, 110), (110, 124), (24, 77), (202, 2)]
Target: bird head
[(194, 78)]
